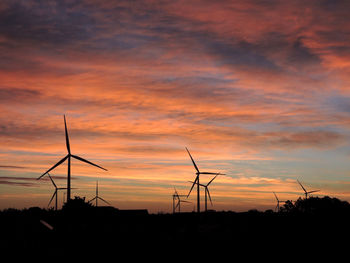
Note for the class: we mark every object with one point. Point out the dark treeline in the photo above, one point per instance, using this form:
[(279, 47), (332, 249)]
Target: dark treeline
[(80, 226)]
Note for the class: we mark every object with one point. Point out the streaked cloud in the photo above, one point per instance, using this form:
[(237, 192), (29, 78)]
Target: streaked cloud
[(235, 81)]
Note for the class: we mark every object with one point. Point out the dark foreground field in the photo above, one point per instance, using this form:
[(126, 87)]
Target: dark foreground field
[(105, 229)]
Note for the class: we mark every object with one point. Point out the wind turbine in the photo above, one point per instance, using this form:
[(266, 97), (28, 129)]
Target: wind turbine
[(196, 181), (207, 193), (68, 157), (178, 205), (97, 197), (307, 192), (278, 203), (55, 193)]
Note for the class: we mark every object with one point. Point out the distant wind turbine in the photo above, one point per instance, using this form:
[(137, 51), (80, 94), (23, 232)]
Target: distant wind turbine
[(176, 196), (97, 197), (278, 203), (196, 181), (207, 193), (307, 192), (55, 193), (179, 204), (68, 157)]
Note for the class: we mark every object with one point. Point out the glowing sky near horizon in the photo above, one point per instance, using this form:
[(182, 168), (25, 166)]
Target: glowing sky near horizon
[(258, 90)]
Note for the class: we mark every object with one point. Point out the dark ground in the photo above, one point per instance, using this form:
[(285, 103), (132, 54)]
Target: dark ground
[(108, 230)]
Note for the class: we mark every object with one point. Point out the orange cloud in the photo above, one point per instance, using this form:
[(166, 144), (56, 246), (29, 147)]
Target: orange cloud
[(253, 82)]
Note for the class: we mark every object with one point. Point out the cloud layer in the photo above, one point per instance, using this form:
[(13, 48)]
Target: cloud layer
[(251, 81)]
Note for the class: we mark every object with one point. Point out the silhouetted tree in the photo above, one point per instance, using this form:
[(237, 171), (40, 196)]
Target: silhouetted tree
[(253, 212), (76, 204), (288, 207), (316, 205)]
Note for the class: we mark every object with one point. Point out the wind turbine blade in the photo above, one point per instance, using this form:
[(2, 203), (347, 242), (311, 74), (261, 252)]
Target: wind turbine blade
[(65, 188), (195, 166), (313, 191), (212, 179), (92, 199), (55, 193), (86, 161), (192, 186), (66, 132), (46, 224), (275, 196), (52, 181), (302, 186), (53, 167), (103, 200), (209, 195), (207, 173), (184, 201)]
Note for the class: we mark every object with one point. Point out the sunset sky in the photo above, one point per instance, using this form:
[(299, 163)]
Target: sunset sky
[(256, 89)]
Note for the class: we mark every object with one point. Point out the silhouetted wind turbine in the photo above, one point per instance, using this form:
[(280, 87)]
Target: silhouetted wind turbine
[(278, 203), (55, 193), (97, 197), (207, 193), (68, 157), (174, 198), (307, 192), (196, 181), (178, 204)]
